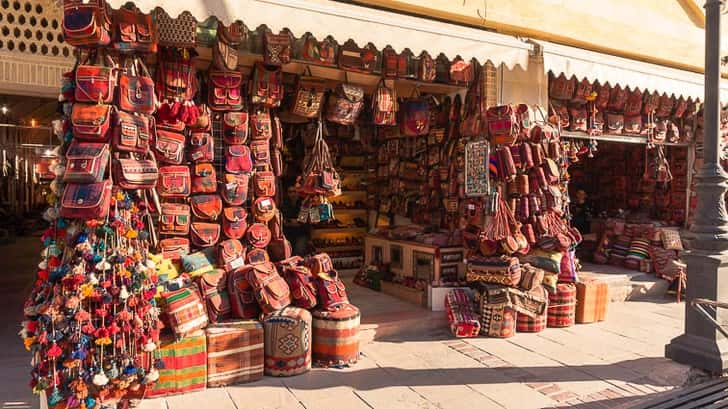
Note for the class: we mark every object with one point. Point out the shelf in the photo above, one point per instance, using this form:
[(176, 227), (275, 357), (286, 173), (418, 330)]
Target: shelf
[(339, 229), (636, 139), (350, 210), (333, 249)]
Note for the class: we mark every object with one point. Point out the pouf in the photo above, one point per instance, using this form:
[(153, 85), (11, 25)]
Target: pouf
[(234, 352), (287, 342), (562, 306), (537, 323), (336, 336)]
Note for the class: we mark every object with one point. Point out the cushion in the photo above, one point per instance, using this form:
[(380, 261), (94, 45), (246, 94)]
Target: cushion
[(671, 239)]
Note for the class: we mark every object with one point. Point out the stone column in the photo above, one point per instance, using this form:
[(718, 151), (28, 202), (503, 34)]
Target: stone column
[(701, 346)]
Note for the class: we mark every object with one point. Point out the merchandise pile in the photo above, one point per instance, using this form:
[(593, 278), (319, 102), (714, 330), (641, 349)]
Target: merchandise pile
[(165, 268)]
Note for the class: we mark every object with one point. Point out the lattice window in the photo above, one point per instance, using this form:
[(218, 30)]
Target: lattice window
[(32, 27)]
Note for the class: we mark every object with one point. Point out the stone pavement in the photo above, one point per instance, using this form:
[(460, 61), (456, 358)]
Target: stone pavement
[(409, 360)]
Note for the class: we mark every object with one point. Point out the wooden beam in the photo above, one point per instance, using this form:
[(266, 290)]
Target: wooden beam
[(694, 11)]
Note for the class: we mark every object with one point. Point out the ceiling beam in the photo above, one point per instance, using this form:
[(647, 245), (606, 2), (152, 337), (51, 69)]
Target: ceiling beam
[(694, 11)]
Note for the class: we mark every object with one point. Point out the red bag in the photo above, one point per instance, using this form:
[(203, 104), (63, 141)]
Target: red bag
[(176, 76), (264, 209), (174, 181), (202, 147), (169, 147), (319, 52), (235, 128), (277, 48), (174, 219), (206, 207), (415, 117), (331, 290), (502, 124), (261, 126), (461, 72), (269, 288), (87, 162), (615, 123), (617, 99), (345, 105), (300, 281), (204, 234), (651, 102), (583, 92), (204, 179), (136, 89), (174, 248), (213, 288), (258, 235), (260, 151), (134, 32), (235, 188), (87, 201), (224, 91), (632, 124), (384, 105), (242, 300), (91, 122), (561, 88), (95, 84), (86, 24), (578, 120), (237, 159), (665, 108), (234, 222), (132, 133), (267, 85), (231, 255), (633, 106), (135, 173), (264, 183), (603, 95)]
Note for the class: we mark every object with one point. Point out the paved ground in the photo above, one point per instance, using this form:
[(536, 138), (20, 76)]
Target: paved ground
[(606, 365)]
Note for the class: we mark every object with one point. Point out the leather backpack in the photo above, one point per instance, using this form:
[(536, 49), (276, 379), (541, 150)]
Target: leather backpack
[(225, 90), (231, 255), (242, 300), (258, 235), (277, 48), (234, 222), (300, 281), (234, 190), (136, 88), (269, 288), (213, 289), (204, 178), (329, 287)]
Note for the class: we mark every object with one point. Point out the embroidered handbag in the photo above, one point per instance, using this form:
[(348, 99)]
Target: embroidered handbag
[(561, 88), (96, 84), (258, 235), (174, 219), (213, 288), (330, 290), (350, 56), (185, 310), (86, 201), (86, 162), (234, 222), (176, 76), (234, 34), (202, 147), (260, 152), (426, 71), (651, 102), (319, 52), (269, 288), (242, 300), (502, 124), (204, 178), (132, 133), (261, 126), (136, 89), (224, 91), (308, 97), (169, 147), (174, 181), (204, 234), (91, 122), (237, 159), (461, 72), (264, 183), (174, 248), (235, 188), (320, 263), (345, 105), (384, 105), (300, 281), (264, 209), (633, 106), (267, 85), (231, 255), (86, 24), (206, 207), (235, 128), (180, 32), (199, 262), (134, 32), (277, 48), (132, 173), (415, 117)]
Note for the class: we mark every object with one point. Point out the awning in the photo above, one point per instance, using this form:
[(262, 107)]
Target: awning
[(362, 24), (616, 70)]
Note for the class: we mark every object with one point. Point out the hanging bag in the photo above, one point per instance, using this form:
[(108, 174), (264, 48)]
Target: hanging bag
[(235, 128), (134, 32), (204, 179), (277, 48), (91, 123), (234, 222), (136, 89), (202, 147), (132, 173), (86, 24), (169, 147), (415, 116), (225, 91), (132, 132), (174, 181), (95, 84), (267, 85), (86, 162), (309, 95), (234, 190), (384, 105), (174, 219), (345, 104)]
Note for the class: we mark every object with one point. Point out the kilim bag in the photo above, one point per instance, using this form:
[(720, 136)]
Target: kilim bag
[(633, 106), (202, 147), (237, 159), (562, 306), (242, 299), (426, 71), (288, 342), (300, 281), (461, 72), (561, 88), (345, 104), (260, 153), (277, 48), (526, 323), (384, 105), (497, 270), (330, 289), (204, 178), (174, 181), (231, 255), (617, 99), (264, 183), (136, 89), (497, 320), (213, 288), (235, 128), (86, 24), (234, 352), (415, 117), (234, 190), (183, 366), (206, 207), (174, 248), (91, 122), (319, 52), (169, 147), (234, 222), (269, 288), (204, 234), (96, 84), (267, 85), (86, 162), (134, 32), (463, 320), (135, 173), (502, 125), (185, 311), (132, 133), (176, 79), (174, 219), (531, 277), (308, 97), (225, 91), (87, 201), (224, 54), (261, 126), (180, 32)]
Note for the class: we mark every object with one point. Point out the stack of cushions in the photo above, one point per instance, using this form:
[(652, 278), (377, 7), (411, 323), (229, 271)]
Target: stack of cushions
[(620, 250), (639, 249), (666, 263)]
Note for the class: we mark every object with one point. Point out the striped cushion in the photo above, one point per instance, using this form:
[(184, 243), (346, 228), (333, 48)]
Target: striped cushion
[(185, 310), (639, 249)]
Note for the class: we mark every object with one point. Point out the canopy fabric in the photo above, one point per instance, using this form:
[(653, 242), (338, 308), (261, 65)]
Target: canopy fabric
[(362, 24), (616, 70)]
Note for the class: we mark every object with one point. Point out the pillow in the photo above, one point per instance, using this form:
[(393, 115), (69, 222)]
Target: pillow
[(199, 263), (639, 249), (550, 280), (666, 263), (671, 239), (185, 310), (547, 260)]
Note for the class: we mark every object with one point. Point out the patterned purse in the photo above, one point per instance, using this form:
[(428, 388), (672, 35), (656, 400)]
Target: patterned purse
[(204, 179), (86, 201), (234, 222), (235, 128), (136, 89), (174, 181), (174, 219), (86, 162), (169, 147), (308, 97), (95, 84), (235, 188), (86, 24), (91, 122), (231, 255), (264, 183), (134, 174), (134, 32), (132, 133), (258, 235), (224, 91), (277, 48), (185, 310), (206, 207), (238, 159), (202, 147), (267, 85), (384, 105), (345, 105)]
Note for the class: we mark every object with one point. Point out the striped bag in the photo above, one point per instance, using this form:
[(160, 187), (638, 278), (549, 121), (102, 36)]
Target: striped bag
[(336, 336), (463, 320), (185, 310), (562, 306), (185, 366), (234, 352)]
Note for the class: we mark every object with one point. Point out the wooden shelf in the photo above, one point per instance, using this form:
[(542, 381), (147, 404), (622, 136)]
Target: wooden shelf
[(332, 249), (349, 210), (637, 139), (339, 229)]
